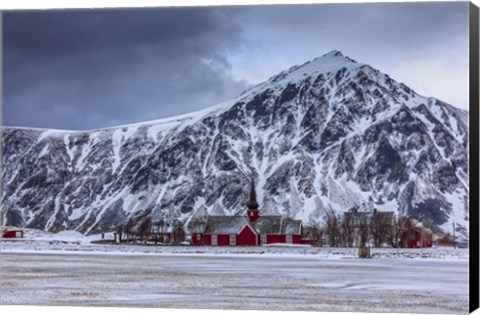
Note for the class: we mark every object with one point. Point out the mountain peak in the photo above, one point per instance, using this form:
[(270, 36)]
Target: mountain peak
[(332, 62), (329, 62), (335, 56), (333, 53)]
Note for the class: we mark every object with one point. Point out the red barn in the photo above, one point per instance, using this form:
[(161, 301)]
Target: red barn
[(249, 230)]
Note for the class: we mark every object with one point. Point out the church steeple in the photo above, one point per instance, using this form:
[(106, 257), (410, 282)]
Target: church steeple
[(252, 204)]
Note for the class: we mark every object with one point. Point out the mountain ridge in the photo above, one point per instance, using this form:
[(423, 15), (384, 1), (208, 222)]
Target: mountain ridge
[(317, 137)]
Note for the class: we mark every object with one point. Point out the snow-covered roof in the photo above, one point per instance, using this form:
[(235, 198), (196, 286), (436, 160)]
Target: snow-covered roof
[(225, 224), (270, 224), (290, 226), (197, 229), (421, 228)]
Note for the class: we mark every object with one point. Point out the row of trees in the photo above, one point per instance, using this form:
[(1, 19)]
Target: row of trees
[(361, 229), (353, 229), (145, 230)]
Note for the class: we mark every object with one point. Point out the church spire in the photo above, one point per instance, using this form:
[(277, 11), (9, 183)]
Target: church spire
[(252, 203)]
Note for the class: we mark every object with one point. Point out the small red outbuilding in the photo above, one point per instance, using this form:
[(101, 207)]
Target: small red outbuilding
[(12, 233)]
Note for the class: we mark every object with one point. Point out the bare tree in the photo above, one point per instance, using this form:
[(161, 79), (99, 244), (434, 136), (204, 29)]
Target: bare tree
[(155, 231), (347, 231), (144, 229), (315, 234), (162, 229), (119, 231), (380, 226), (363, 232), (128, 228), (407, 229), (333, 230), (395, 232), (178, 234), (401, 232)]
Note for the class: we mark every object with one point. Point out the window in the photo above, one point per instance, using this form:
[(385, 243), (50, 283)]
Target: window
[(214, 240), (289, 239), (233, 240), (263, 239)]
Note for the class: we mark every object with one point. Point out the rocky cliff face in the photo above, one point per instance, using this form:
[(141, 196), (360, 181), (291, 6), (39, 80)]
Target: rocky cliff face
[(324, 136)]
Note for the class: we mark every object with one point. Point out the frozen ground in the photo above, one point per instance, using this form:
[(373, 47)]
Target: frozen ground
[(248, 281), (70, 241), (82, 247), (65, 269)]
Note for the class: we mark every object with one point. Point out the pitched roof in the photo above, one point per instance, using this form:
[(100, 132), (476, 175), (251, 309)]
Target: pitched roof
[(225, 224), (290, 226), (199, 228), (269, 224)]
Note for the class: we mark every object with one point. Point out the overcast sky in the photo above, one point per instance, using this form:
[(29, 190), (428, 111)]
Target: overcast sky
[(98, 68)]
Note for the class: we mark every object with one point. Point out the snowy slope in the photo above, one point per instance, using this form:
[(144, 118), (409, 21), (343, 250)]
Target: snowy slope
[(324, 136)]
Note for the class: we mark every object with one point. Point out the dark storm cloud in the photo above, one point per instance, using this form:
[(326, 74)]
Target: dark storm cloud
[(92, 69), (98, 68)]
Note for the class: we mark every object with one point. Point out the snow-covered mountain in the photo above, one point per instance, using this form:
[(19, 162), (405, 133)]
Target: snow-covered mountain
[(325, 136)]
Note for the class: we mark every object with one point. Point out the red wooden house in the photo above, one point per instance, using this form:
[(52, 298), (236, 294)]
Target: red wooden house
[(251, 229), (421, 238)]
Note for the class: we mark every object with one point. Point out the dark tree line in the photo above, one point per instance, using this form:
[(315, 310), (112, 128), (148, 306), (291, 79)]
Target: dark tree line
[(375, 228), (145, 230)]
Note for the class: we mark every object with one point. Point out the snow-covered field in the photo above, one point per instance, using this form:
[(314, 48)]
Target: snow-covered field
[(236, 282), (63, 269)]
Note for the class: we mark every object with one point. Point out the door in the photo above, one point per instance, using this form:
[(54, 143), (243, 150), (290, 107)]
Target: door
[(289, 239)]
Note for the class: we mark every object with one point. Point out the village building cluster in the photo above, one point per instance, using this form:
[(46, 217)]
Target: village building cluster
[(354, 228)]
